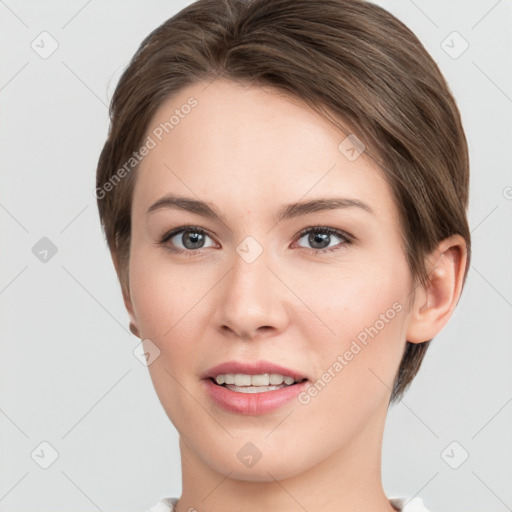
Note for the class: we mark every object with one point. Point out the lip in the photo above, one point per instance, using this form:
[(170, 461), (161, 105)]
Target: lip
[(252, 368), (252, 403)]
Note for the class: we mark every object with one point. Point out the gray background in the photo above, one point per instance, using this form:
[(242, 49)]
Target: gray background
[(68, 375)]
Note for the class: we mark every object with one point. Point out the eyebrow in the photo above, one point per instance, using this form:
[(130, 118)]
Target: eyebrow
[(285, 212)]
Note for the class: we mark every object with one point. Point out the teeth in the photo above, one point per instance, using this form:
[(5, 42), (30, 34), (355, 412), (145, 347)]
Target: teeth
[(241, 380), (253, 389), (265, 379)]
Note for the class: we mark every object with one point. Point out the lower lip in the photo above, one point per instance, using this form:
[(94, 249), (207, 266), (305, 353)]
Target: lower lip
[(252, 403)]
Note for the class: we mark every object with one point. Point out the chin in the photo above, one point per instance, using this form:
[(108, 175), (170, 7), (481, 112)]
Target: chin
[(266, 469)]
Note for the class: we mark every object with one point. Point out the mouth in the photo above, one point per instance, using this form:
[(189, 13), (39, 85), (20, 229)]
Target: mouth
[(252, 399), (255, 387)]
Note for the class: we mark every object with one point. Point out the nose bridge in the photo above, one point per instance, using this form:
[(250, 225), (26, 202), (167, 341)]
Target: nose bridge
[(249, 278), (249, 298)]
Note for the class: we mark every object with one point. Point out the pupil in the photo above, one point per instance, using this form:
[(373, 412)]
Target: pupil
[(195, 238), (319, 237)]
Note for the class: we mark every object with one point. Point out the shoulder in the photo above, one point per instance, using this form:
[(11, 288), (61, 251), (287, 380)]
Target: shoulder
[(164, 505), (408, 504)]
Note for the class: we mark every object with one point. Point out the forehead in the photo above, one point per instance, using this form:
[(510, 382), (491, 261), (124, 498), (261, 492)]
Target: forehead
[(250, 147)]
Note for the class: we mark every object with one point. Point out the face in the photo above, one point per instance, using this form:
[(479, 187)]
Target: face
[(318, 292)]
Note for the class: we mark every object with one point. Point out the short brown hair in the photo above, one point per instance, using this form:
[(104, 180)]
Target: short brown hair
[(351, 61)]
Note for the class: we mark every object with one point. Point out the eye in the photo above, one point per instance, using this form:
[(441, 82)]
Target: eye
[(192, 238), (320, 238)]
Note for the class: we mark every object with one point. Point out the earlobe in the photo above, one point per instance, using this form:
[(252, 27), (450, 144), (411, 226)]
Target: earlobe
[(434, 304), (134, 330), (129, 307)]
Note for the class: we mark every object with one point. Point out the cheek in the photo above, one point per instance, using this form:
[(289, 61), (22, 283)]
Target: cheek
[(354, 297), (163, 299), (365, 314), (161, 293)]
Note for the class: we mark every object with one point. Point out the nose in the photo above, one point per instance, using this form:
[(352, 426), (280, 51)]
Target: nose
[(250, 300)]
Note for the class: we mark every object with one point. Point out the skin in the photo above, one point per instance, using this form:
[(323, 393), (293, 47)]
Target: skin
[(247, 151)]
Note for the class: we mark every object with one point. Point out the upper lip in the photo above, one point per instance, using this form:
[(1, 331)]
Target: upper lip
[(252, 368)]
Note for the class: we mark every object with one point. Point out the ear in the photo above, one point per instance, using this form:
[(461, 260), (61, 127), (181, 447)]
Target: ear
[(125, 288), (434, 304), (129, 307)]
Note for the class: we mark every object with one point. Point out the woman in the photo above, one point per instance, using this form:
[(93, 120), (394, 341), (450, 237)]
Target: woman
[(284, 191)]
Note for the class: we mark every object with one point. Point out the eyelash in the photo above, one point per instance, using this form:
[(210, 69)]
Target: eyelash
[(347, 239)]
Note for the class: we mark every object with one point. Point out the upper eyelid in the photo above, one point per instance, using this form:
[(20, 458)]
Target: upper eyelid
[(333, 231)]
